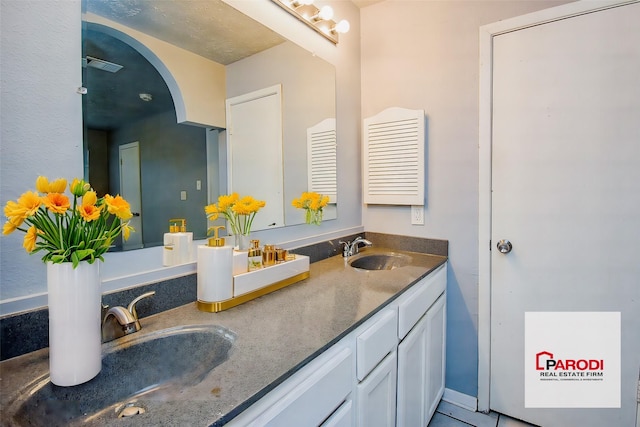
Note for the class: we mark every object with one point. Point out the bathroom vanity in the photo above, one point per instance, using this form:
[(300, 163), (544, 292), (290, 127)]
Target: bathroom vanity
[(334, 349)]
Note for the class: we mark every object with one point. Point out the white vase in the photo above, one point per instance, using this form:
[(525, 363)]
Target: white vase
[(75, 339)]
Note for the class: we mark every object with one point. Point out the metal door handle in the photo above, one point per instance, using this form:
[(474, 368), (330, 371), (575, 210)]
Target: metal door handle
[(504, 246)]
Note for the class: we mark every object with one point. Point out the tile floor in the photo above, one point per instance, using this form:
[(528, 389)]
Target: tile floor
[(448, 415)]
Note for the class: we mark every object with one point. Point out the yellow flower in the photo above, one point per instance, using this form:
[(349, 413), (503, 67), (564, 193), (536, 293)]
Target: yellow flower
[(57, 203), (212, 212), (29, 202), (313, 203), (44, 186), (82, 234), (79, 187), (89, 212), (126, 231), (9, 227), (310, 200), (118, 206), (58, 186), (89, 198), (29, 242), (297, 203), (15, 212), (247, 205), (88, 209), (227, 201)]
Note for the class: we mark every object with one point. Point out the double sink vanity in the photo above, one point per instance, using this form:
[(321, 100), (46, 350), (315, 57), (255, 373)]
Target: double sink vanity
[(334, 350)]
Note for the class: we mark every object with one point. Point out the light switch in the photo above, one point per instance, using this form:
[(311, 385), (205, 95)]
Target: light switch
[(198, 184), (183, 195)]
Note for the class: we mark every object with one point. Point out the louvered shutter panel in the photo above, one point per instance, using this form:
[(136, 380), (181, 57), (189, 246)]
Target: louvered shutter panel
[(321, 159), (393, 157)]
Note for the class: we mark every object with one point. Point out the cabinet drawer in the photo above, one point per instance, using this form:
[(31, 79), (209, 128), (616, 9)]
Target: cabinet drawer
[(418, 299), (376, 342), (342, 417), (315, 397)]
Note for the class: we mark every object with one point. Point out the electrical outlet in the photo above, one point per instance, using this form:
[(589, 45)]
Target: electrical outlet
[(417, 215)]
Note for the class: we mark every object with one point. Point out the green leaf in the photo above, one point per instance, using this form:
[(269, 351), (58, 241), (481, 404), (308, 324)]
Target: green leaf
[(83, 253), (57, 259), (74, 259)]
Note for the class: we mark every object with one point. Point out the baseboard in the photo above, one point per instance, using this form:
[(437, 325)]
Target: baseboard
[(470, 403)]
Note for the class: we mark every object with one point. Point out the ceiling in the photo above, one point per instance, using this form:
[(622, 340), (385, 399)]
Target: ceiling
[(209, 28)]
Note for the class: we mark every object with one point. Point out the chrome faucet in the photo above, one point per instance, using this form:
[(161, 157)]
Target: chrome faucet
[(352, 248), (119, 321)]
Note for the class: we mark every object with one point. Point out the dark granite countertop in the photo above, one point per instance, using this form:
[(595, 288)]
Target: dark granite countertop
[(276, 335)]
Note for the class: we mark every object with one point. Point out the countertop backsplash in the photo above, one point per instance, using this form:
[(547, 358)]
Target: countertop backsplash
[(29, 331)]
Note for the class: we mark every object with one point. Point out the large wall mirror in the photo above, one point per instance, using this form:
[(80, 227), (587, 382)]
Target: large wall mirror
[(136, 128)]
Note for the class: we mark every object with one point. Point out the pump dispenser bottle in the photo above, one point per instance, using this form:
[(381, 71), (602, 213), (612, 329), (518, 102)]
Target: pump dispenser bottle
[(177, 243), (215, 265)]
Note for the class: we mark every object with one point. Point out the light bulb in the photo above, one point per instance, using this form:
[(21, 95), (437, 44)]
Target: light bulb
[(326, 13), (342, 27)]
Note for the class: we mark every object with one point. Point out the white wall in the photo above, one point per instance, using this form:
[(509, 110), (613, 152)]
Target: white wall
[(424, 55), (40, 116), (41, 122)]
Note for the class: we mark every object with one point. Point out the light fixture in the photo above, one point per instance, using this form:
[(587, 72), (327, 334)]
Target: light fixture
[(320, 19)]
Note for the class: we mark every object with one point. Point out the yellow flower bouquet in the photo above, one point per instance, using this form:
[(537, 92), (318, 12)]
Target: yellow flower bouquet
[(82, 232), (313, 203), (239, 211)]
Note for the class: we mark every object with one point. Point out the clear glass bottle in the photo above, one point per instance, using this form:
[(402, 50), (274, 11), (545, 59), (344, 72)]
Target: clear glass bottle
[(255, 256)]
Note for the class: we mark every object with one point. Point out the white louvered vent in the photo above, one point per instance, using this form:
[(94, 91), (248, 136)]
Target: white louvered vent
[(321, 159), (394, 157)]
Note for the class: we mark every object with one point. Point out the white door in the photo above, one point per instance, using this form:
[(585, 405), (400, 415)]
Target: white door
[(254, 135), (130, 190), (566, 194)]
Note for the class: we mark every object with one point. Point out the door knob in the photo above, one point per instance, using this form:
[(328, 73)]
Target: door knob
[(504, 246)]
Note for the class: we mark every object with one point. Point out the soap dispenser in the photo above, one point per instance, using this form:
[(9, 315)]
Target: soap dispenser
[(177, 243), (215, 265)]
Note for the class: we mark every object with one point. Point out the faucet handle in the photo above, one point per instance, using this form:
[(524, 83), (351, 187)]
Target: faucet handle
[(345, 248), (132, 305)]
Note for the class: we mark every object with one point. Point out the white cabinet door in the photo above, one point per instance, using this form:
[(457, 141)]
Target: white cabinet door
[(421, 368), (412, 390), (436, 341), (376, 395)]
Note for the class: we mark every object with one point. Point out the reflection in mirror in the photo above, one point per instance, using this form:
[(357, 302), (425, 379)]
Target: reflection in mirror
[(305, 102), (132, 137), (179, 161)]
